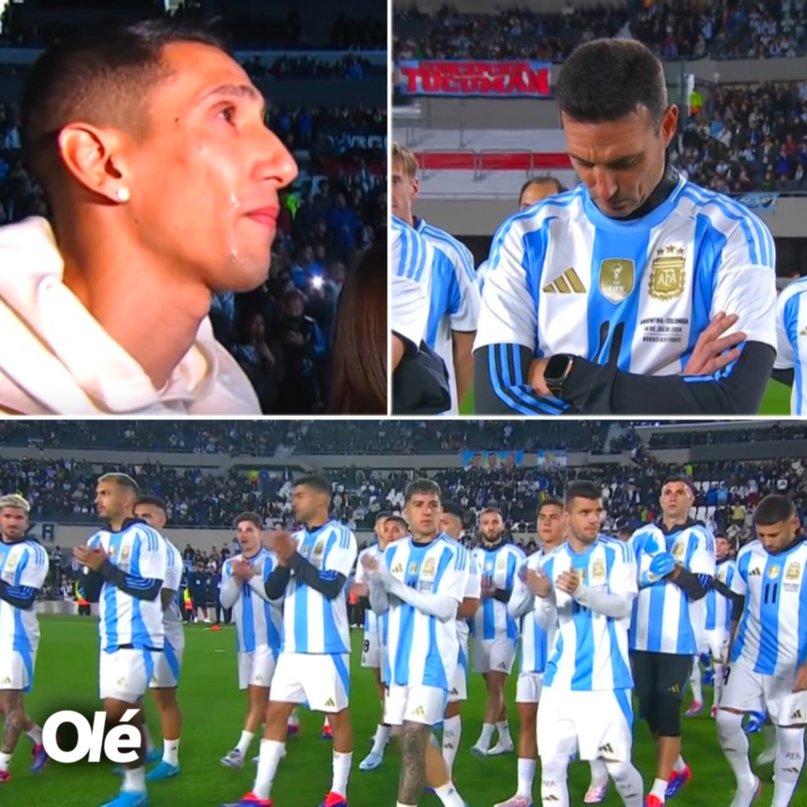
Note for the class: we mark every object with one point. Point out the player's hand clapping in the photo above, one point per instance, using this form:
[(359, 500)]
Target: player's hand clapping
[(282, 544), (568, 582), (242, 570), (538, 583), (93, 559)]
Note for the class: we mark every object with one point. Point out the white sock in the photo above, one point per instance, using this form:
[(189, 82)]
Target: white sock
[(526, 777), (628, 782), (341, 772), (735, 748), (659, 789), (401, 804), (486, 736), (679, 766), (695, 680), (452, 732), (294, 719), (788, 764), (380, 739), (718, 683), (148, 739), (554, 786), (244, 742), (5, 761), (171, 752), (448, 796), (134, 780), (36, 735), (599, 772), (504, 730), (268, 759)]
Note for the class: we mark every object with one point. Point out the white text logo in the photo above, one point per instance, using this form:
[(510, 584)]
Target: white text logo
[(120, 745)]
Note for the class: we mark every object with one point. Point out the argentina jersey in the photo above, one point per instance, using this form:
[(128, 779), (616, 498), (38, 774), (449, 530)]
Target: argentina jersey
[(663, 618), (590, 650), (421, 650), (371, 619), (172, 618), (23, 565), (258, 622), (535, 640), (311, 622), (563, 278), (411, 259), (500, 566), (772, 634), (791, 336), (454, 301), (125, 621), (718, 606)]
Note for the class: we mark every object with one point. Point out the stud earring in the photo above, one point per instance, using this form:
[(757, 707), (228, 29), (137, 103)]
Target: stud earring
[(123, 195)]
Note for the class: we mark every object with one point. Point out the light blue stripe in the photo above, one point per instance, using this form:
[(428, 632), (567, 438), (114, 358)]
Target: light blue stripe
[(342, 672), (791, 323)]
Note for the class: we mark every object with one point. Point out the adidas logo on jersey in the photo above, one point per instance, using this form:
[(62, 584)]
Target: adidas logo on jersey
[(567, 283), (796, 715), (420, 711), (755, 572), (803, 331), (6, 680)]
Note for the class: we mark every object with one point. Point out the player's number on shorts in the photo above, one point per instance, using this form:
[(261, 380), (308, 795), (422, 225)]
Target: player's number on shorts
[(770, 593), (366, 645)]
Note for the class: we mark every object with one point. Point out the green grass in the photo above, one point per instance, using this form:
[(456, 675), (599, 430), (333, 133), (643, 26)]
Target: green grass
[(775, 402), (214, 708)]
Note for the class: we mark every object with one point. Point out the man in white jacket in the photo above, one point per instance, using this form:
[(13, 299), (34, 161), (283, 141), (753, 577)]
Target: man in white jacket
[(162, 181)]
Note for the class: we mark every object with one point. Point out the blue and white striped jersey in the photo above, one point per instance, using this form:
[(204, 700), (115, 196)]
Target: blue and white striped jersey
[(311, 622), (535, 640), (718, 606), (664, 621), (373, 623), (564, 278), (791, 336), (421, 650), (23, 565), (411, 260), (499, 565), (772, 635), (172, 616), (138, 550), (258, 621), (589, 650), (454, 301)]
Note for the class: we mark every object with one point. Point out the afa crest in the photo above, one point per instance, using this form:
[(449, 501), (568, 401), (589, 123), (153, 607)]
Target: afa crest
[(668, 273)]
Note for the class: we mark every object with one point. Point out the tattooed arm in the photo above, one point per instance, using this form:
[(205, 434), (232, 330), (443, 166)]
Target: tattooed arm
[(414, 740)]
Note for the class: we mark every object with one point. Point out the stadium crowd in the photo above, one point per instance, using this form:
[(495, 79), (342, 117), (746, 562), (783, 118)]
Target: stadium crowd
[(674, 29)]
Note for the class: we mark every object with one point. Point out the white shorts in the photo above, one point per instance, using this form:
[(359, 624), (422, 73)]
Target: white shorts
[(321, 680), (125, 674), (459, 684), (167, 667), (749, 691), (596, 725), (372, 651), (528, 687), (494, 655), (717, 643), (17, 670), (425, 705), (256, 669)]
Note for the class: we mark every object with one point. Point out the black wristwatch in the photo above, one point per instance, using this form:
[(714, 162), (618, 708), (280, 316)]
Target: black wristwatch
[(557, 371)]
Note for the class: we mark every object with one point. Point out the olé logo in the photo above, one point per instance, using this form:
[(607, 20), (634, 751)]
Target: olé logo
[(120, 745)]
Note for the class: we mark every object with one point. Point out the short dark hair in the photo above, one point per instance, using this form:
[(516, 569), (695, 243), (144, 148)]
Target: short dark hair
[(104, 76), (154, 501), (491, 510), (382, 514), (608, 79), (316, 482), (250, 516), (548, 503), (541, 180), (683, 480), (582, 489), (773, 509), (400, 520), (423, 487), (121, 480), (453, 509)]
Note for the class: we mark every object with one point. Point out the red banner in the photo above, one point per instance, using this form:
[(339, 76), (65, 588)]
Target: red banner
[(489, 79)]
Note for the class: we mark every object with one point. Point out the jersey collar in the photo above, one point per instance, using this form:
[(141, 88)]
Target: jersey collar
[(690, 522), (126, 524), (317, 529)]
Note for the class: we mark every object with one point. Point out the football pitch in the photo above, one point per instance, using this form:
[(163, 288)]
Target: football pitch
[(775, 402), (213, 711)]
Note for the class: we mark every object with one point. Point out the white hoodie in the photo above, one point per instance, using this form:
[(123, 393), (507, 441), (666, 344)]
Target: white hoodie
[(56, 359)]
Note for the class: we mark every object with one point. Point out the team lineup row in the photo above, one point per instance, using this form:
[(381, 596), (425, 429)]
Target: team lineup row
[(596, 618)]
